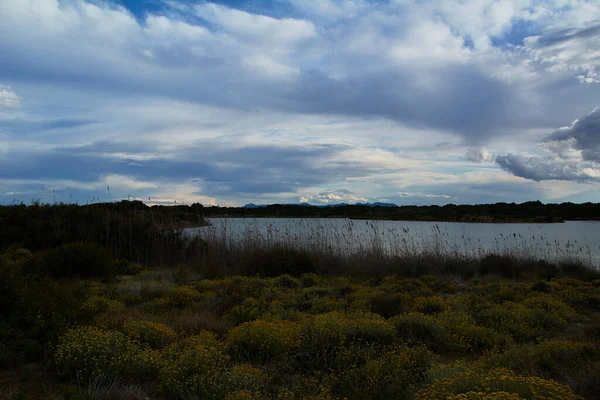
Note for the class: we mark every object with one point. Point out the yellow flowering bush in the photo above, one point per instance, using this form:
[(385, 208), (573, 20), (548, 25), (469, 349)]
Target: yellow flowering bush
[(396, 371), (89, 352), (388, 376), (95, 305), (511, 318), (248, 310), (148, 365), (244, 395), (485, 396), (449, 331), (153, 334), (550, 358), (335, 329), (310, 279), (287, 281), (337, 341), (157, 306), (245, 377), (183, 296), (194, 372), (429, 305), (264, 340), (555, 307), (325, 304), (204, 338), (478, 383), (420, 328)]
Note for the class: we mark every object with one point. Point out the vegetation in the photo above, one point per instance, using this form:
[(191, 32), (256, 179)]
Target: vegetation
[(207, 319), (533, 211)]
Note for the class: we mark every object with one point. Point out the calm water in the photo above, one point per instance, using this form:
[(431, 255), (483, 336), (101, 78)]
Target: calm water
[(579, 239)]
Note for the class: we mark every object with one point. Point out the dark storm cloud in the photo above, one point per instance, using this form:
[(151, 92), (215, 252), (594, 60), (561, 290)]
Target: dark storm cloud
[(575, 154), (583, 135), (543, 168)]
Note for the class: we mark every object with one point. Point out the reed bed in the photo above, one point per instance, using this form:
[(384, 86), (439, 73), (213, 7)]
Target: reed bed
[(347, 246)]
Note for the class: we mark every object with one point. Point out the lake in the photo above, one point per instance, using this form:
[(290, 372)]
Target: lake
[(552, 242)]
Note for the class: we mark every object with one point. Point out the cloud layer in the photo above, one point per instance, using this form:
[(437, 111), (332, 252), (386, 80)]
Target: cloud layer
[(352, 100)]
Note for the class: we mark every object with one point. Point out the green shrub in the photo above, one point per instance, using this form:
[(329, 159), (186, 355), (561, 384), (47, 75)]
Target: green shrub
[(153, 334), (264, 340)]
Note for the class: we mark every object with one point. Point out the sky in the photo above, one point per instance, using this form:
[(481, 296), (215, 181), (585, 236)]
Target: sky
[(286, 101)]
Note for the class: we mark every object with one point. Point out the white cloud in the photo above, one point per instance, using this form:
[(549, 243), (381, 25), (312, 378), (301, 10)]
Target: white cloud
[(574, 50), (8, 98), (286, 31), (333, 197)]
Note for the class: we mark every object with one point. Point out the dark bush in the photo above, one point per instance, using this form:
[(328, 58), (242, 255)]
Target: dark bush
[(77, 260), (389, 304), (494, 264), (279, 261), (541, 286), (33, 312)]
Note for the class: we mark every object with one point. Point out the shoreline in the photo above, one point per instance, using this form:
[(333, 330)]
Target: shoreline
[(464, 221)]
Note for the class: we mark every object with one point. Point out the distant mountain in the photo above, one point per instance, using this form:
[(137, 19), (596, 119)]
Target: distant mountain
[(376, 204)]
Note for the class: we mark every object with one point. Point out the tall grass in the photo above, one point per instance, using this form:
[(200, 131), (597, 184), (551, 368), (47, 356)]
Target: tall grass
[(365, 247), (130, 230)]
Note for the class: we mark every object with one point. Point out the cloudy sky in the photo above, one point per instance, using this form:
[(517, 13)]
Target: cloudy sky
[(231, 102)]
